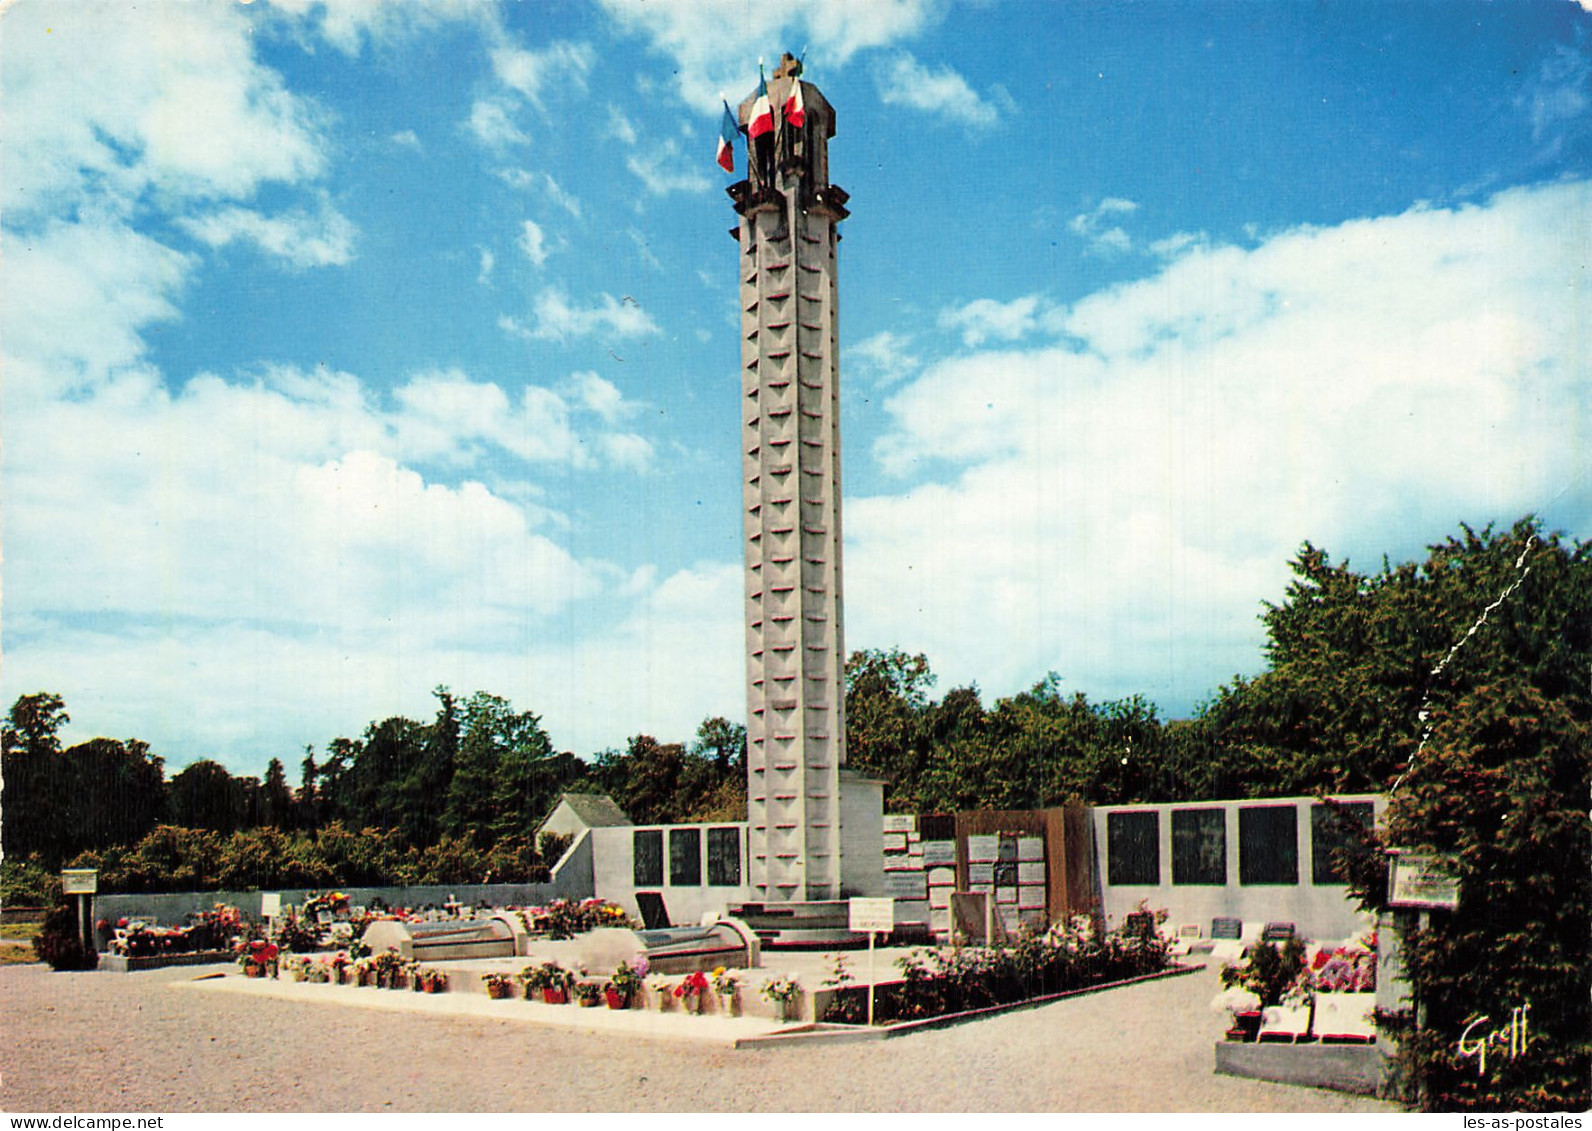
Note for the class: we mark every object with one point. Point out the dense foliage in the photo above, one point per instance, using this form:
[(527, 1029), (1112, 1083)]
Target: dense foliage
[(453, 800)]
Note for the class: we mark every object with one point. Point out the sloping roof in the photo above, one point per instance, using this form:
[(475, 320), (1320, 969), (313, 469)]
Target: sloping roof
[(596, 810)]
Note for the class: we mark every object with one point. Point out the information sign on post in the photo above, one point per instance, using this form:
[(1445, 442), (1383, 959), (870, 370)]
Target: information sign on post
[(1422, 880), (79, 881), (83, 883), (873, 916)]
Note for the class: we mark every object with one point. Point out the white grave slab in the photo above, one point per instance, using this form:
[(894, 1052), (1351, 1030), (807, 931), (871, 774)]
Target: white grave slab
[(895, 842), (942, 877), (899, 822), (906, 885), (940, 897), (1005, 895), (983, 849), (1030, 873), (1030, 848), (911, 911), (981, 873), (1031, 895), (939, 852)]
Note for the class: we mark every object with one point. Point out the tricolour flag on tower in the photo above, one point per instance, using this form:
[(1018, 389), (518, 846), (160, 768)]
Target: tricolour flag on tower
[(762, 111), (727, 131), (795, 109)]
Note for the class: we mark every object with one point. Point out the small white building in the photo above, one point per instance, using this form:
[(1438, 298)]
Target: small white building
[(576, 812)]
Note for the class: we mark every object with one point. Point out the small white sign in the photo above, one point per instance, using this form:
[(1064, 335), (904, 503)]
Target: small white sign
[(1031, 848), (270, 904), (79, 881), (1031, 873), (939, 852), (872, 914), (1421, 880), (899, 822)]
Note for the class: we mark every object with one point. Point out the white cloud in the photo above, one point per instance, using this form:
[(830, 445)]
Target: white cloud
[(556, 320), (906, 82), (664, 169), (488, 261), (492, 124), (532, 243), (347, 24), (1178, 243), (1117, 511), (1558, 95), (117, 100), (304, 240), (885, 357), (408, 139), (558, 196), (531, 73), (619, 126), (713, 43), (1098, 227), (986, 319), (90, 288)]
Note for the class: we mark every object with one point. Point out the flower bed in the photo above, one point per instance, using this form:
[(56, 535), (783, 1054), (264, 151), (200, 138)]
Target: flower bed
[(940, 982)]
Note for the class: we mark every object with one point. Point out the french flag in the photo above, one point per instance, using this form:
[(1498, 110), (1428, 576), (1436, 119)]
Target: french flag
[(762, 112), (795, 108), (727, 131)]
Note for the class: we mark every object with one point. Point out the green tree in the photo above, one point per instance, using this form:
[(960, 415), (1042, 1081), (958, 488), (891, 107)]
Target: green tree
[(36, 789), (887, 699), (275, 799), (205, 796)]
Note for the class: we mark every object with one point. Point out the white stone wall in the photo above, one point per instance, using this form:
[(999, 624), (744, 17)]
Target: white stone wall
[(1319, 911), (613, 865)]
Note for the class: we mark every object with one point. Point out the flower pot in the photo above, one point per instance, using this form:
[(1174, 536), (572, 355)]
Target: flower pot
[(499, 993), (588, 1002), (555, 997), (435, 985), (616, 999), (253, 971), (730, 1006), (1248, 1023)]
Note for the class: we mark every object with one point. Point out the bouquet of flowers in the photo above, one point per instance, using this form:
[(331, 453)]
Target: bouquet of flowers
[(724, 983), (627, 976), (692, 987), (783, 990)]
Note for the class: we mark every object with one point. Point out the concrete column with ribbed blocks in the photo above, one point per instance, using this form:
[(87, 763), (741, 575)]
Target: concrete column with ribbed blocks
[(790, 453)]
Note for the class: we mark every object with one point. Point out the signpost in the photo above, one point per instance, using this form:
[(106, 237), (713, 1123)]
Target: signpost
[(872, 916), (83, 883)]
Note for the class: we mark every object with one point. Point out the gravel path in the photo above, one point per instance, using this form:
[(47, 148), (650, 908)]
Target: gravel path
[(129, 1043)]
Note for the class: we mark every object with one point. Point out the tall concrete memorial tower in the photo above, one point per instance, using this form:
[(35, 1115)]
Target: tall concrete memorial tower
[(814, 829)]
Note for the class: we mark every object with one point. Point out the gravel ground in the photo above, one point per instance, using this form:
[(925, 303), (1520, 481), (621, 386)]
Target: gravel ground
[(131, 1043)]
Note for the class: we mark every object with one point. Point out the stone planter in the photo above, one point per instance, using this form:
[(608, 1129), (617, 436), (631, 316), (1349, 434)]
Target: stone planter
[(555, 996), (616, 998)]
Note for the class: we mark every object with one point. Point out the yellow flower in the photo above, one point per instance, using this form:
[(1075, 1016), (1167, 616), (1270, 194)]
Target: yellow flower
[(718, 971)]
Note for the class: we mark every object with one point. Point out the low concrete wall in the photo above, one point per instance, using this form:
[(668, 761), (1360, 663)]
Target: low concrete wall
[(1343, 1068), (173, 908)]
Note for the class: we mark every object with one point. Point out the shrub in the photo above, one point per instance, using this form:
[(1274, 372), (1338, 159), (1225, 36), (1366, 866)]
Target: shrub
[(59, 941)]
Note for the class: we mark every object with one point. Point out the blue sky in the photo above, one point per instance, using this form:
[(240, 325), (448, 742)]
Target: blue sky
[(352, 349)]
